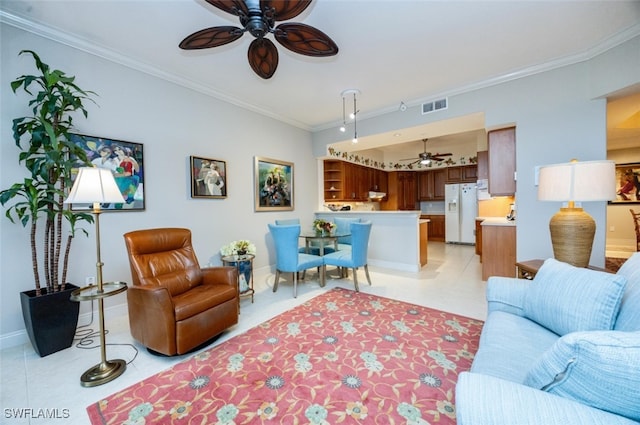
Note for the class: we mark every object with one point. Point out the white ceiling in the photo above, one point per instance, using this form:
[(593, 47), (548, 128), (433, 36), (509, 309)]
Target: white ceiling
[(391, 50)]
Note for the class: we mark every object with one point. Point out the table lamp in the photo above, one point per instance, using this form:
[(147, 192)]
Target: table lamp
[(97, 186), (572, 229)]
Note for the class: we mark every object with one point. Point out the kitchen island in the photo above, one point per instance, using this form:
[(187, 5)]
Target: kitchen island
[(394, 242)]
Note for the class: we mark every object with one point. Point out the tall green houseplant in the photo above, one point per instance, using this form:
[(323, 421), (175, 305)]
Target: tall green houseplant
[(49, 156)]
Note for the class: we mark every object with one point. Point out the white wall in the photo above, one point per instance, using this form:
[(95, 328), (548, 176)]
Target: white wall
[(559, 115), (173, 123)]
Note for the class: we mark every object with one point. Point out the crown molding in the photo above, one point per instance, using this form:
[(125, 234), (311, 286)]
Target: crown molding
[(78, 43)]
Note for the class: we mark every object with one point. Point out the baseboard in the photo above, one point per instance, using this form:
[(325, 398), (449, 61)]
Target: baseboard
[(16, 338)]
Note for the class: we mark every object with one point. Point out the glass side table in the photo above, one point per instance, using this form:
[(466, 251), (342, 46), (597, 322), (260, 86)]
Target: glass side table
[(244, 265), (106, 370)]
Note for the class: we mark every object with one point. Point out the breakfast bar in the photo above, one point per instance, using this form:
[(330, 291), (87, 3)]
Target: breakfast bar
[(395, 237)]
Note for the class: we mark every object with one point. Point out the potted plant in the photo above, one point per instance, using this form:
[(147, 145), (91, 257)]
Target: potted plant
[(48, 157), (235, 254), (323, 226)]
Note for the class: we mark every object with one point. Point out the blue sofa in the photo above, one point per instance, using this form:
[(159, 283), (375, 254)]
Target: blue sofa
[(563, 348)]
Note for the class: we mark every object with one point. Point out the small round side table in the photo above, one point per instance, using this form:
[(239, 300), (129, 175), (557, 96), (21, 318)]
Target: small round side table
[(245, 283), (106, 370)]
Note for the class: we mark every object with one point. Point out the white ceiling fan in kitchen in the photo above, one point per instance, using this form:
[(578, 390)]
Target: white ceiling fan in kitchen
[(425, 157)]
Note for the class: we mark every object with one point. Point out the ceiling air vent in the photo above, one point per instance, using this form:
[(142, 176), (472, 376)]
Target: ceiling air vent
[(436, 105)]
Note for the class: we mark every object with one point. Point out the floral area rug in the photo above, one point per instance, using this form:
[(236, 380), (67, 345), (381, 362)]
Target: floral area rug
[(343, 357)]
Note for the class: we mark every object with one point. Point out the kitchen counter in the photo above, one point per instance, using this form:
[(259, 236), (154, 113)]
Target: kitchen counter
[(496, 221), (394, 242)]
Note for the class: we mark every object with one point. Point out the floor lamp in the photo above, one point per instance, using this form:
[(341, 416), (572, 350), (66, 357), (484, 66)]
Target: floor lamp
[(97, 186), (572, 229)]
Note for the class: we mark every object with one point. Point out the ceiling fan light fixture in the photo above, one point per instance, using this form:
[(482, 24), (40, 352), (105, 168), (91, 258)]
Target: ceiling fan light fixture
[(258, 17)]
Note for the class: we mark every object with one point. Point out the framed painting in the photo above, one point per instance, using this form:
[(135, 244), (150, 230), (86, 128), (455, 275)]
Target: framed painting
[(126, 162), (627, 184), (273, 185), (208, 178)]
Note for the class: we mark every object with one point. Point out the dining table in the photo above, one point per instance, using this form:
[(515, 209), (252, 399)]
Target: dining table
[(319, 240)]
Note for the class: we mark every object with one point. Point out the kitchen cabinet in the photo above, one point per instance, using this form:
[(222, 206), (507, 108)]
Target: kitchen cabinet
[(436, 227), (407, 191), (479, 238), (333, 180), (431, 185), (498, 250), (502, 162), (483, 165), (469, 174), (344, 181), (424, 237), (462, 174), (402, 192)]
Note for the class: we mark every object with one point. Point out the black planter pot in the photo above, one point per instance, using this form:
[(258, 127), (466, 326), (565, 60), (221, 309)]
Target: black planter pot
[(50, 319)]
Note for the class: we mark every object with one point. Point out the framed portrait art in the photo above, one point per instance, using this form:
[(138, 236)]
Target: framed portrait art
[(208, 178), (126, 162), (627, 184), (273, 185)]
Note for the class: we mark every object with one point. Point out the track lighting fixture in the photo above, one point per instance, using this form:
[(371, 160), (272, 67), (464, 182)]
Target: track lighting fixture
[(352, 115)]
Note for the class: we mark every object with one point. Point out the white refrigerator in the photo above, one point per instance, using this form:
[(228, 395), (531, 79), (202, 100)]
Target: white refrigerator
[(461, 209)]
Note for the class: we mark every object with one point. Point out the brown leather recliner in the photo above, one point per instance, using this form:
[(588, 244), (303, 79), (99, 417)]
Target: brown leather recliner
[(174, 305)]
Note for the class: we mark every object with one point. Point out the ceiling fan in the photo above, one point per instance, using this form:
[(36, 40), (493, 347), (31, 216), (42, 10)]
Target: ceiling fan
[(258, 17), (425, 157)]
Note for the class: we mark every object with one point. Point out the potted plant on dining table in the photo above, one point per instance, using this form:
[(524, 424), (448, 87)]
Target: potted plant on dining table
[(323, 227)]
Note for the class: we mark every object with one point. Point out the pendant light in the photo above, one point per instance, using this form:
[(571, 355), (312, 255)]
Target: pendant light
[(352, 115)]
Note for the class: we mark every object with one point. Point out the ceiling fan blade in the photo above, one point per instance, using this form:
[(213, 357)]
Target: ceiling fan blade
[(284, 9), (230, 6), (305, 39), (441, 154), (263, 57), (211, 37)]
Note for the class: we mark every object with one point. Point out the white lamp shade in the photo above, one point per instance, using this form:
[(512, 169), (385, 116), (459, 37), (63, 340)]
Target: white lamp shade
[(577, 181), (94, 185)]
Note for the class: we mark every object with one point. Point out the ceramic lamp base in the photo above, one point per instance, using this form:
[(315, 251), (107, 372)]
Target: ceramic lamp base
[(572, 231)]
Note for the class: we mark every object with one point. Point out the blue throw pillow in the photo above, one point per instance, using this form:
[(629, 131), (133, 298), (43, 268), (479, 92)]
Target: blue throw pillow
[(598, 368), (629, 316), (564, 298)]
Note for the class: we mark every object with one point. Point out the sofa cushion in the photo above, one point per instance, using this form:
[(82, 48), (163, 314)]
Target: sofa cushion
[(510, 345), (564, 298), (629, 316), (598, 368)]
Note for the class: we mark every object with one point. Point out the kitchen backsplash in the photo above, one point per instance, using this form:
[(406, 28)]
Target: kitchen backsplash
[(495, 207)]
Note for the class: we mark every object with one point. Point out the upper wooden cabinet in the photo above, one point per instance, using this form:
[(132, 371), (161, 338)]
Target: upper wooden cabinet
[(344, 181), (431, 185), (483, 165), (502, 162), (333, 180), (403, 191), (462, 174)]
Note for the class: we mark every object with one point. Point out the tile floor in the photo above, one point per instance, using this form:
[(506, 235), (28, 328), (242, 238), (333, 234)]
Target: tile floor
[(451, 281)]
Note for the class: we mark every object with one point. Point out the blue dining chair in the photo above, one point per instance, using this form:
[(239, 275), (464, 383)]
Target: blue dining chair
[(357, 255), (343, 225), (288, 259)]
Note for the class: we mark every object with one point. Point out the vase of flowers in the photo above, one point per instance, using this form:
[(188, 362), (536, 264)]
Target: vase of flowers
[(240, 249), (323, 226)]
